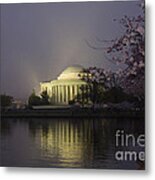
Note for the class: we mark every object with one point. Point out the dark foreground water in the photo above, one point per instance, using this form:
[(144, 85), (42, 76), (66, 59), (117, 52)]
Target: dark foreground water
[(69, 143)]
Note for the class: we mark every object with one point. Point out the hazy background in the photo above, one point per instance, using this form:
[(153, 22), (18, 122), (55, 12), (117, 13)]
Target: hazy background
[(38, 41)]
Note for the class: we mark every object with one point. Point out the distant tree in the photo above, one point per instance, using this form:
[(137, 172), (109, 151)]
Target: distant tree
[(6, 100), (129, 50), (34, 99), (116, 95), (83, 97), (44, 98), (99, 81)]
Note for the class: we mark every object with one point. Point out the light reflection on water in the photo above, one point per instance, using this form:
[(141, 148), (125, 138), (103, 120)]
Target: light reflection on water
[(77, 143)]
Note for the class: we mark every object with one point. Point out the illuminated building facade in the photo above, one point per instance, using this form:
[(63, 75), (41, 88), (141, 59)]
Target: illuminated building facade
[(66, 87)]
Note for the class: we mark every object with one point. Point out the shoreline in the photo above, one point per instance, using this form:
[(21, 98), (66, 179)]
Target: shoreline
[(68, 113)]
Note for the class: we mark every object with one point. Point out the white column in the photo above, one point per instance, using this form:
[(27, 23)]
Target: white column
[(54, 94), (63, 93), (64, 90), (59, 94), (59, 87), (71, 93), (75, 89), (66, 94), (50, 91)]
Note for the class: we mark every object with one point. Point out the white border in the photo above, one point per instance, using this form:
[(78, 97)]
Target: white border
[(76, 174), (35, 1)]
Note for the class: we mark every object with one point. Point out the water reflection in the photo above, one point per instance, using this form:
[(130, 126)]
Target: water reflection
[(71, 142), (78, 143)]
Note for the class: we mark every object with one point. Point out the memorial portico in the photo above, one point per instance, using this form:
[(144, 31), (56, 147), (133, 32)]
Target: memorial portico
[(66, 87)]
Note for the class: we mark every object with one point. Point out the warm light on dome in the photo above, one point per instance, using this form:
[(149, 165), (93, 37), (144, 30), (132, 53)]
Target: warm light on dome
[(71, 72)]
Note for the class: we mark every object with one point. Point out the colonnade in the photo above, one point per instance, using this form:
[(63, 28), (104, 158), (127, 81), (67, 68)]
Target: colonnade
[(64, 93)]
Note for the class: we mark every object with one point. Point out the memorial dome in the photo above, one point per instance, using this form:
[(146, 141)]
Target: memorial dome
[(71, 72)]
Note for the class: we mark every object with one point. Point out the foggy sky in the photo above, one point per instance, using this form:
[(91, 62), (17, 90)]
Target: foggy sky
[(38, 41)]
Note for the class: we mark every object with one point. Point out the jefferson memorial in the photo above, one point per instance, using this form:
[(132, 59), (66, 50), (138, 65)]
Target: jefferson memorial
[(66, 87)]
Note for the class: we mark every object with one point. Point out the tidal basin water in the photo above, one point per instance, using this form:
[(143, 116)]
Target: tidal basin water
[(67, 143)]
